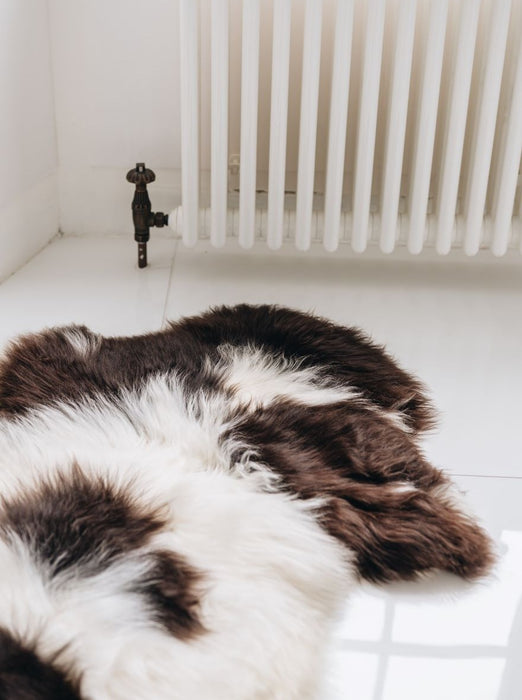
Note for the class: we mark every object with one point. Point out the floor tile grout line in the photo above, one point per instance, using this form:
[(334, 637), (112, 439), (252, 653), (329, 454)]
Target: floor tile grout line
[(169, 284)]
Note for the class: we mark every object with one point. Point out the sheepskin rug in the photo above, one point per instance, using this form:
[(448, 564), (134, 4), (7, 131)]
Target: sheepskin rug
[(183, 513)]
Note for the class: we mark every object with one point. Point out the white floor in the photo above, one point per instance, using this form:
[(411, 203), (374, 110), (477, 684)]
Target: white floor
[(457, 325)]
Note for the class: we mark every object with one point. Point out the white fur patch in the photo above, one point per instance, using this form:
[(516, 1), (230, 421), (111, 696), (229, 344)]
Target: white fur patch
[(84, 344), (257, 379), (396, 418), (403, 487)]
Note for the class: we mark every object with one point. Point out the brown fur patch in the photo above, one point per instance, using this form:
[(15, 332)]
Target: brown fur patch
[(24, 676), (170, 590), (361, 464), (79, 522), (44, 368)]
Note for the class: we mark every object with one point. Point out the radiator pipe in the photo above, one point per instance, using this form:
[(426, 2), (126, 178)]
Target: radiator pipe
[(142, 216)]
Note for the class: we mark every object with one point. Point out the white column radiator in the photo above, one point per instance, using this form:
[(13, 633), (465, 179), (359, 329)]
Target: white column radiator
[(364, 123)]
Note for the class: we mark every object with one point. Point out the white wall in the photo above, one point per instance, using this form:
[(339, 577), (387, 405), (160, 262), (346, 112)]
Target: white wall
[(116, 79), (28, 171)]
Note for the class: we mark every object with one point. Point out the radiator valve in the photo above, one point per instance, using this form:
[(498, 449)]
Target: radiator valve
[(142, 216)]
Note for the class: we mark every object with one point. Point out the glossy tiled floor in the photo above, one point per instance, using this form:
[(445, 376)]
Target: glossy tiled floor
[(457, 325)]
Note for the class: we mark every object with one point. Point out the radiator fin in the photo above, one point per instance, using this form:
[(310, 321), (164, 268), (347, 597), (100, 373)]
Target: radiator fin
[(219, 122), (189, 64), (308, 123), (278, 121)]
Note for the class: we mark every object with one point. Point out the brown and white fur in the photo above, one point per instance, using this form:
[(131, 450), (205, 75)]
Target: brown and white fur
[(182, 513)]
